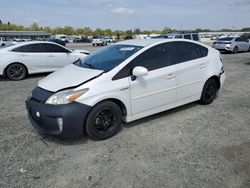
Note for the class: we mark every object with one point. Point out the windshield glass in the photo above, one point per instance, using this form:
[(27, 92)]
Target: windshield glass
[(109, 57), (226, 39)]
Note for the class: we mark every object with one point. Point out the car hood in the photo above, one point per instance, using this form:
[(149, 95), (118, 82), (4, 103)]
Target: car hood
[(69, 76)]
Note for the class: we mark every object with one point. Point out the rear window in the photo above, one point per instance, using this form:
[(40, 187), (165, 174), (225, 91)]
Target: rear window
[(195, 37), (187, 37)]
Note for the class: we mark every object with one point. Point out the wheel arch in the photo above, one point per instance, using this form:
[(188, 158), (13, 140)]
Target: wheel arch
[(119, 103), (216, 78), (4, 71)]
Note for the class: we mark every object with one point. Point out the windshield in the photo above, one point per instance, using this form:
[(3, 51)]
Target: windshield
[(109, 57), (226, 39)]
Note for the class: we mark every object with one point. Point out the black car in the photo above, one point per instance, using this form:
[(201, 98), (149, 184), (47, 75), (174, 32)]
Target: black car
[(82, 40)]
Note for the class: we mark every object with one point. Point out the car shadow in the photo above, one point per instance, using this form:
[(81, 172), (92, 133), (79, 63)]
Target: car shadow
[(247, 63), (66, 141), (226, 52)]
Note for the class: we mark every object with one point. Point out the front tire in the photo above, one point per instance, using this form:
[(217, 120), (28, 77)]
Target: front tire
[(16, 72), (104, 121), (235, 50), (209, 92)]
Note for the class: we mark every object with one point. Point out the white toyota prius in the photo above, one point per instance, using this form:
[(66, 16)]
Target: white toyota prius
[(21, 59), (124, 82)]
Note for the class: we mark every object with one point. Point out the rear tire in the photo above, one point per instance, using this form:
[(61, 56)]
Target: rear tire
[(209, 92), (248, 49), (104, 121), (16, 71), (235, 50)]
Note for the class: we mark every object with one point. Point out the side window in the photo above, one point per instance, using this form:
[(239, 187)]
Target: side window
[(195, 37), (52, 48), (154, 58), (187, 51), (238, 39), (30, 48), (178, 37), (187, 37)]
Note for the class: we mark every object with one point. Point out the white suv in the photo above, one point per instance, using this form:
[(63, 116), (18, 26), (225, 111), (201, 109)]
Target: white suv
[(124, 82)]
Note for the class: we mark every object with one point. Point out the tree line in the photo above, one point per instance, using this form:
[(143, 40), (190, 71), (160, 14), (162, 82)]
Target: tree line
[(87, 31)]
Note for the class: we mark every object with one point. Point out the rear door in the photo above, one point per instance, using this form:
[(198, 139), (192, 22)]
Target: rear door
[(58, 56), (32, 56), (191, 66)]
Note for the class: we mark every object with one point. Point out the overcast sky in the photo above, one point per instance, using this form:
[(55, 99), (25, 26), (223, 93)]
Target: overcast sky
[(129, 14)]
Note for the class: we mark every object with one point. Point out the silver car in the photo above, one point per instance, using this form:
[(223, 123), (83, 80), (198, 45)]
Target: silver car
[(232, 44)]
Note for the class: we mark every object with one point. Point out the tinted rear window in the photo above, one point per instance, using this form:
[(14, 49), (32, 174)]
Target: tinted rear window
[(187, 37), (195, 37), (187, 51)]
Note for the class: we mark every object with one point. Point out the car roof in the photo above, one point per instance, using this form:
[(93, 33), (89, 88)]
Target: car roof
[(141, 42), (19, 44)]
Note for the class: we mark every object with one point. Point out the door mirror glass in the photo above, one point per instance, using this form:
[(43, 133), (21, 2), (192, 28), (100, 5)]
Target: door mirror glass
[(140, 71)]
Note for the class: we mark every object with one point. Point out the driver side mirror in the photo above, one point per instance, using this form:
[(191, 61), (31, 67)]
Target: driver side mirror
[(139, 71)]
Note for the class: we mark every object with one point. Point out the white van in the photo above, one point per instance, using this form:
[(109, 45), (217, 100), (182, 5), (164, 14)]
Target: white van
[(125, 81)]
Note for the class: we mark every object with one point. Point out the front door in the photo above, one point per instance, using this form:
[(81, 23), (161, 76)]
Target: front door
[(158, 88)]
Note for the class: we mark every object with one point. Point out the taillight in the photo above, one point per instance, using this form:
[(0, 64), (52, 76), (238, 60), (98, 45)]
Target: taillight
[(227, 42)]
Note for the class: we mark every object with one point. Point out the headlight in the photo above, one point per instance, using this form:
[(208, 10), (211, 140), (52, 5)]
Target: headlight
[(66, 96)]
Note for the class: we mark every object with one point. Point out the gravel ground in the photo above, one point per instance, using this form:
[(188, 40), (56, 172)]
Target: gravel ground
[(190, 146)]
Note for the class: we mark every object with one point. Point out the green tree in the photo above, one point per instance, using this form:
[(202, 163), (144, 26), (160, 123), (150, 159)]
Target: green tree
[(108, 32), (129, 32), (166, 30), (137, 31), (68, 30), (34, 27), (99, 31)]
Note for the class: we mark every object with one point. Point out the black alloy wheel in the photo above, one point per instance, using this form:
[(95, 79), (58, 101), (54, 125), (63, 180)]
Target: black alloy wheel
[(16, 72), (104, 121), (209, 92)]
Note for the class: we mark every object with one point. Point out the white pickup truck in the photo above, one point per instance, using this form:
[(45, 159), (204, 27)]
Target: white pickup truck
[(4, 42)]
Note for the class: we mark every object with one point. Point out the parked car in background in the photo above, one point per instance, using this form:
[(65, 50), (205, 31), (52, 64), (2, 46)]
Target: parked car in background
[(125, 81), (62, 38), (190, 36), (109, 39), (58, 41), (81, 51), (128, 38), (232, 44), (246, 35), (4, 42), (82, 40), (25, 58), (98, 41)]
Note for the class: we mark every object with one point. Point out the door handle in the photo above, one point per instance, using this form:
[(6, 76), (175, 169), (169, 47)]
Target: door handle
[(170, 76), (23, 55), (202, 65), (51, 56)]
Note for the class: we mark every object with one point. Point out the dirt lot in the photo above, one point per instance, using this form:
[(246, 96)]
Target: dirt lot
[(191, 146)]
